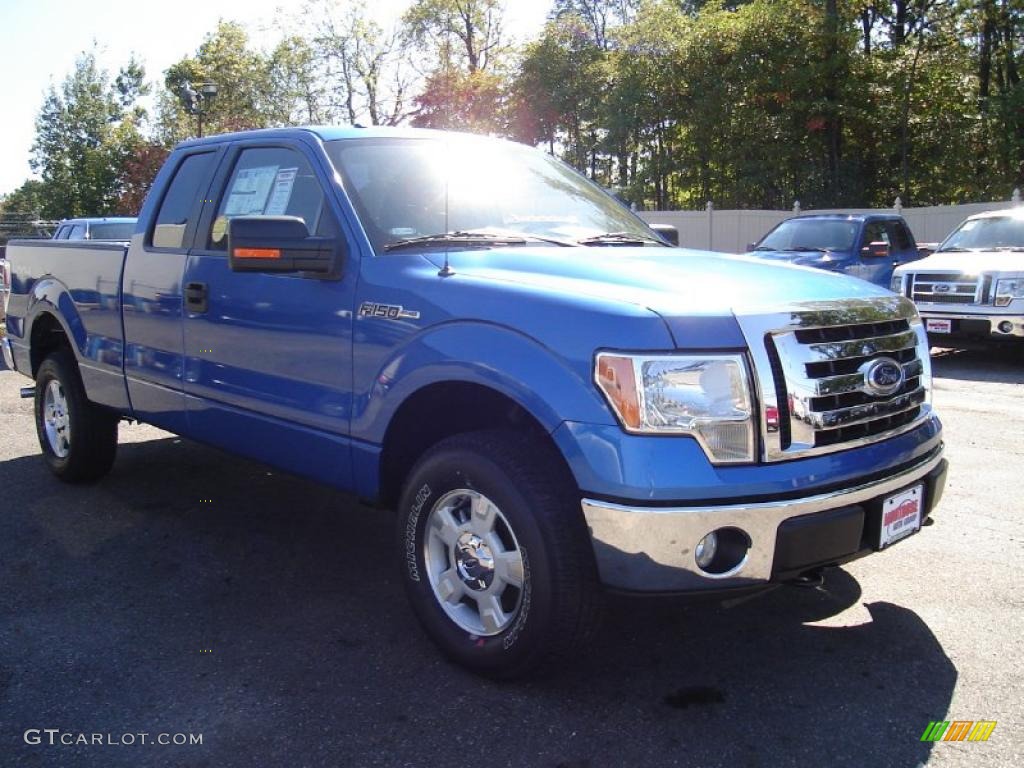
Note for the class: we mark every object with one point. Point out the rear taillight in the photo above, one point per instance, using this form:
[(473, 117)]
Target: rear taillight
[(5, 282)]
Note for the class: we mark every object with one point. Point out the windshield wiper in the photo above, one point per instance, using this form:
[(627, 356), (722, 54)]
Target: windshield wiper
[(954, 249), (621, 237), (1009, 248), (473, 239)]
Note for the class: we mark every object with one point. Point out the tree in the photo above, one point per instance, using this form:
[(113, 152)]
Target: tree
[(248, 96), (366, 66), (297, 87), (464, 33), (85, 130), (557, 94), (600, 16), (137, 173), (467, 87), (29, 199)]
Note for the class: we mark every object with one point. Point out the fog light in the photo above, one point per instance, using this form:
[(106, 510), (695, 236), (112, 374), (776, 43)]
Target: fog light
[(705, 551), (1006, 327), (722, 553)]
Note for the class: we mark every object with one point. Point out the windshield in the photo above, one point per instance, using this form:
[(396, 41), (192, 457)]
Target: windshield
[(399, 187), (989, 234), (111, 231), (810, 235)]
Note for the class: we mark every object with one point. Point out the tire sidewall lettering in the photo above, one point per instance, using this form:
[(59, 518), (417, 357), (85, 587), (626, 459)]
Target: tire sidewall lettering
[(411, 532), (512, 634)]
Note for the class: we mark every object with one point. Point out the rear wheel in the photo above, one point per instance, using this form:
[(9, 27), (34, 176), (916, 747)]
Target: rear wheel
[(78, 438), (497, 562)]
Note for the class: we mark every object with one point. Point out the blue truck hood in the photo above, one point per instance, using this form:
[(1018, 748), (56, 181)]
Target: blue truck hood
[(697, 294), (820, 259), (672, 282)]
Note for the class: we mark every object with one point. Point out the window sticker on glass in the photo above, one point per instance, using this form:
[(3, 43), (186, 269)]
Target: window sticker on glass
[(282, 192), (248, 195)]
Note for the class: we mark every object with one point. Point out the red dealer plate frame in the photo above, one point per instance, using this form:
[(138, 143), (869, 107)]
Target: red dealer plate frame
[(901, 515)]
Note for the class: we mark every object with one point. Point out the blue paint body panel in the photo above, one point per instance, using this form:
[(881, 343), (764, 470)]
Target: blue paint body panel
[(284, 369), (608, 464)]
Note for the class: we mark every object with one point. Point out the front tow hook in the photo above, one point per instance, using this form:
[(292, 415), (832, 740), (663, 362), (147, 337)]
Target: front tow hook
[(808, 579), (27, 392)]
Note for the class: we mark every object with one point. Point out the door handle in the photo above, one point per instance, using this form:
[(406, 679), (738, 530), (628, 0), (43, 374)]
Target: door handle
[(195, 297)]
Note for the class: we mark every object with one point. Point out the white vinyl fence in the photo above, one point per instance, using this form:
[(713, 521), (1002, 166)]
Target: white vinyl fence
[(731, 231)]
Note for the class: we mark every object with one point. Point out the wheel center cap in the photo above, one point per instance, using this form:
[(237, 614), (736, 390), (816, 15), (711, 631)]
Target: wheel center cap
[(474, 561)]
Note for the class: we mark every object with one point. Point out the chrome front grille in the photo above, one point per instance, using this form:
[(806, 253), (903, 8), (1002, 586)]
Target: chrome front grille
[(946, 288), (814, 373)]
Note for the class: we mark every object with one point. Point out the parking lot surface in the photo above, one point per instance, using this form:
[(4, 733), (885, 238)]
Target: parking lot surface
[(191, 592)]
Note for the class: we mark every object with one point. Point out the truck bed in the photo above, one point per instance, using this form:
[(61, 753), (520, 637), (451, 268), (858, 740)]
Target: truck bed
[(81, 281)]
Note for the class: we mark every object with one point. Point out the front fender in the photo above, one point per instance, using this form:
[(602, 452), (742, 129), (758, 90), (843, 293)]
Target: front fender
[(549, 387)]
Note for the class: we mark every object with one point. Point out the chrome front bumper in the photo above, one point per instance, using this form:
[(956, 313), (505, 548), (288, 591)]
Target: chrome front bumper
[(8, 353), (650, 549), (994, 320)]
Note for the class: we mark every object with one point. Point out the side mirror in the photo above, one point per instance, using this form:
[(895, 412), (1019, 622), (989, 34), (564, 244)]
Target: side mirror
[(875, 250), (667, 232), (278, 244)]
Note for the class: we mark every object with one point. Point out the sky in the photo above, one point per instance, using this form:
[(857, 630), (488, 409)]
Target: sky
[(40, 39)]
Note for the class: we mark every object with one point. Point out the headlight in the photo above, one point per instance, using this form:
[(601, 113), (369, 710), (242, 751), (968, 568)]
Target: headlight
[(1008, 290), (706, 396), (924, 354), (896, 284)]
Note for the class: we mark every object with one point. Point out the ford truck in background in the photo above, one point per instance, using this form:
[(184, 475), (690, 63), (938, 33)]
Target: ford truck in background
[(869, 246), (971, 289), (464, 329)]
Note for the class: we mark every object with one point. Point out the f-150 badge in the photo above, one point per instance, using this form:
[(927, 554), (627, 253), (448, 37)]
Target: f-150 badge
[(389, 311)]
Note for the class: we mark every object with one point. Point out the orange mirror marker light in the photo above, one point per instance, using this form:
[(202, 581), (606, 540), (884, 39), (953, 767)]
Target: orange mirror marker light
[(257, 253), (617, 379)]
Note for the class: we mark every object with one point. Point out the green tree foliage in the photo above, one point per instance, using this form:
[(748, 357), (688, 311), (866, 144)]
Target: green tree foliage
[(28, 199), (364, 68), (85, 130), (747, 103), (760, 103), (466, 88), (246, 96)]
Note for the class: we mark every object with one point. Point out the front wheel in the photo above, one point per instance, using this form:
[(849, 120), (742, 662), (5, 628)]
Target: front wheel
[(78, 438), (496, 559)]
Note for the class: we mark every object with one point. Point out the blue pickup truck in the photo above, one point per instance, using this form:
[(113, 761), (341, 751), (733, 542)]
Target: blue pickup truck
[(869, 246), (555, 401)]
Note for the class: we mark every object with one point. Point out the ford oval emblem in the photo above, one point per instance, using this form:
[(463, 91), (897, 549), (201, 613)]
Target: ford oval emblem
[(942, 288), (882, 376)]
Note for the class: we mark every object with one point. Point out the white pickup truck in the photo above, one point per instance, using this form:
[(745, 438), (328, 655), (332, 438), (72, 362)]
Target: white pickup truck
[(971, 288)]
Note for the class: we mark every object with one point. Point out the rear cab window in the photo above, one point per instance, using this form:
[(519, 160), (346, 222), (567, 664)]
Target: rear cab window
[(182, 201), (899, 236)]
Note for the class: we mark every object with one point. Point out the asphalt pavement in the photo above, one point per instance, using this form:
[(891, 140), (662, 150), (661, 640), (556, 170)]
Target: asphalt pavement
[(194, 593)]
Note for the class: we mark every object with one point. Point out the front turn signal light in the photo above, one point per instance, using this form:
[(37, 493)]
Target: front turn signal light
[(616, 376)]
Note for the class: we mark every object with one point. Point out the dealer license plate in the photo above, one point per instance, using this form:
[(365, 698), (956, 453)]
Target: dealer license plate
[(901, 515), (933, 325)]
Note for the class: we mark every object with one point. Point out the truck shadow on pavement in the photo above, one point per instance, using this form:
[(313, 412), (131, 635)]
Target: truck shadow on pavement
[(1001, 365), (194, 592)]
